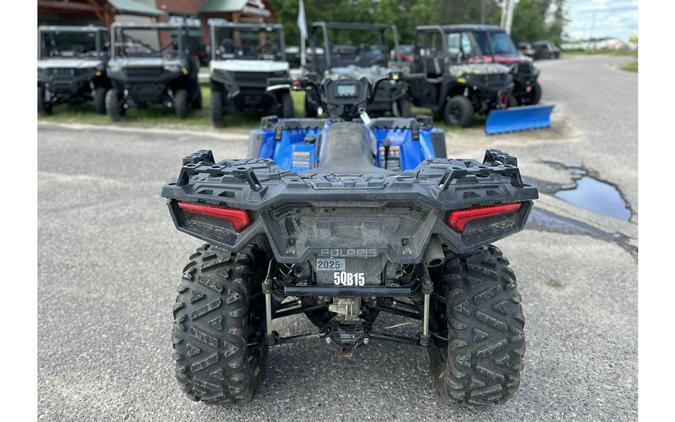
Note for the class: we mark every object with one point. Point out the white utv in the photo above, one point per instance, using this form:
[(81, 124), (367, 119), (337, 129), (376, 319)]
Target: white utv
[(244, 56)]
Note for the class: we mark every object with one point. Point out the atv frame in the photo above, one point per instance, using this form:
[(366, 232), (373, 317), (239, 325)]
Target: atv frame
[(71, 79), (152, 76), (239, 80), (439, 82), (390, 98)]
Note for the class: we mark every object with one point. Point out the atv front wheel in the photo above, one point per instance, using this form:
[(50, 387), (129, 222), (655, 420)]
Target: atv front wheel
[(286, 105), (458, 111), (99, 99), (44, 106), (181, 104), (113, 105), (535, 94), (480, 315), (219, 325), (217, 108)]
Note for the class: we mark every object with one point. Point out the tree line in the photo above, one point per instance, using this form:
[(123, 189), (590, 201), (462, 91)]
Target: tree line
[(532, 19)]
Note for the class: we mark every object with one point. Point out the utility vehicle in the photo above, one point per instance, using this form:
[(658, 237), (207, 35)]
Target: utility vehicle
[(71, 66), (244, 57), (342, 242), (451, 77), (152, 63), (340, 50), (545, 49), (496, 46)]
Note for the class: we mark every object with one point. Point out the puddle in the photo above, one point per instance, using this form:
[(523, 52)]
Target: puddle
[(595, 195)]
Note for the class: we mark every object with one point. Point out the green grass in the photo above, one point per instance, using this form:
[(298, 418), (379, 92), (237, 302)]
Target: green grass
[(630, 67), (156, 115), (603, 52)]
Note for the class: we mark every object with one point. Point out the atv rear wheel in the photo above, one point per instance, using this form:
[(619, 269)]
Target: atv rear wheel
[(483, 321), (219, 325), (217, 108), (113, 105), (99, 99), (458, 111), (44, 106), (286, 105), (181, 104), (403, 107)]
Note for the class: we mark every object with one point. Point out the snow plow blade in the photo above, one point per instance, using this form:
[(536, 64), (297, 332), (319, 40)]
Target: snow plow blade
[(517, 119)]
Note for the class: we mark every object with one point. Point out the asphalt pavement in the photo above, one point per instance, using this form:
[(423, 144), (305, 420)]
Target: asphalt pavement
[(110, 260)]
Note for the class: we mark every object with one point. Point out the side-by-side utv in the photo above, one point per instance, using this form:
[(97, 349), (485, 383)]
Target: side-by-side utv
[(244, 56), (450, 76), (340, 50), (72, 66), (152, 63), (497, 47)]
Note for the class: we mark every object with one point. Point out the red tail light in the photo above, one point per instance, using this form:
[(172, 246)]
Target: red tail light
[(458, 219), (238, 218)]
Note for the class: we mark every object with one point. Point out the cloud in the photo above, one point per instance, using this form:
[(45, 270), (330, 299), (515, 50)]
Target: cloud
[(613, 18)]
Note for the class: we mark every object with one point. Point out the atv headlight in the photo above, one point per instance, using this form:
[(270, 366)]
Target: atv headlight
[(172, 68)]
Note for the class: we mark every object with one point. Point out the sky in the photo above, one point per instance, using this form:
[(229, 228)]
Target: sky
[(613, 18)]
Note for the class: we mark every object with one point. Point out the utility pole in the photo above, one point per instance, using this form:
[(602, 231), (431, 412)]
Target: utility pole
[(507, 14), (590, 33)]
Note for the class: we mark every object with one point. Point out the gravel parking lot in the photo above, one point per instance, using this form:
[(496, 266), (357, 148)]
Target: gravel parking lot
[(110, 260)]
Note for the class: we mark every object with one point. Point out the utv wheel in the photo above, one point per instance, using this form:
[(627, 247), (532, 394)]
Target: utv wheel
[(113, 105), (197, 102), (286, 105), (99, 99), (403, 107), (219, 326), (483, 321), (535, 94), (458, 111), (181, 104), (44, 106), (311, 110), (217, 108)]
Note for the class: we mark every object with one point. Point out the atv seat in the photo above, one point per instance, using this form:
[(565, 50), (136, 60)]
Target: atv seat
[(347, 151)]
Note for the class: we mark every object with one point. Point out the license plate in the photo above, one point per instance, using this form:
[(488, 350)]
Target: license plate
[(325, 264)]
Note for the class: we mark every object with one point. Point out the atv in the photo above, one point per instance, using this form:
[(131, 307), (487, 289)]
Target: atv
[(450, 76), (71, 66), (296, 144), (152, 63), (497, 47), (244, 57), (341, 50), (343, 242)]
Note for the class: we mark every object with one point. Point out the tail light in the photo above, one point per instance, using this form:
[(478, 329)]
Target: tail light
[(238, 218), (458, 219)]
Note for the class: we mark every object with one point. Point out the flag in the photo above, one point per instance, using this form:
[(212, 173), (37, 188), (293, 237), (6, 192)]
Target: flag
[(302, 24)]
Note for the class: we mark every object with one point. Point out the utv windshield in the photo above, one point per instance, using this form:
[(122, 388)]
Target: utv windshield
[(354, 46), (68, 44), (498, 43), (149, 42), (248, 43), (462, 47)]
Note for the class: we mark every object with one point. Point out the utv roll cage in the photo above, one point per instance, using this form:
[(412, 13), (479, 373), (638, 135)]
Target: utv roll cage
[(259, 27), (324, 27), (120, 26), (100, 31), (444, 30)]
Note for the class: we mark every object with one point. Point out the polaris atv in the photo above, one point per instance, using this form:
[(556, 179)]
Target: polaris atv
[(71, 66), (396, 143), (342, 242), (244, 57), (497, 47), (451, 77), (152, 63), (353, 51)]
